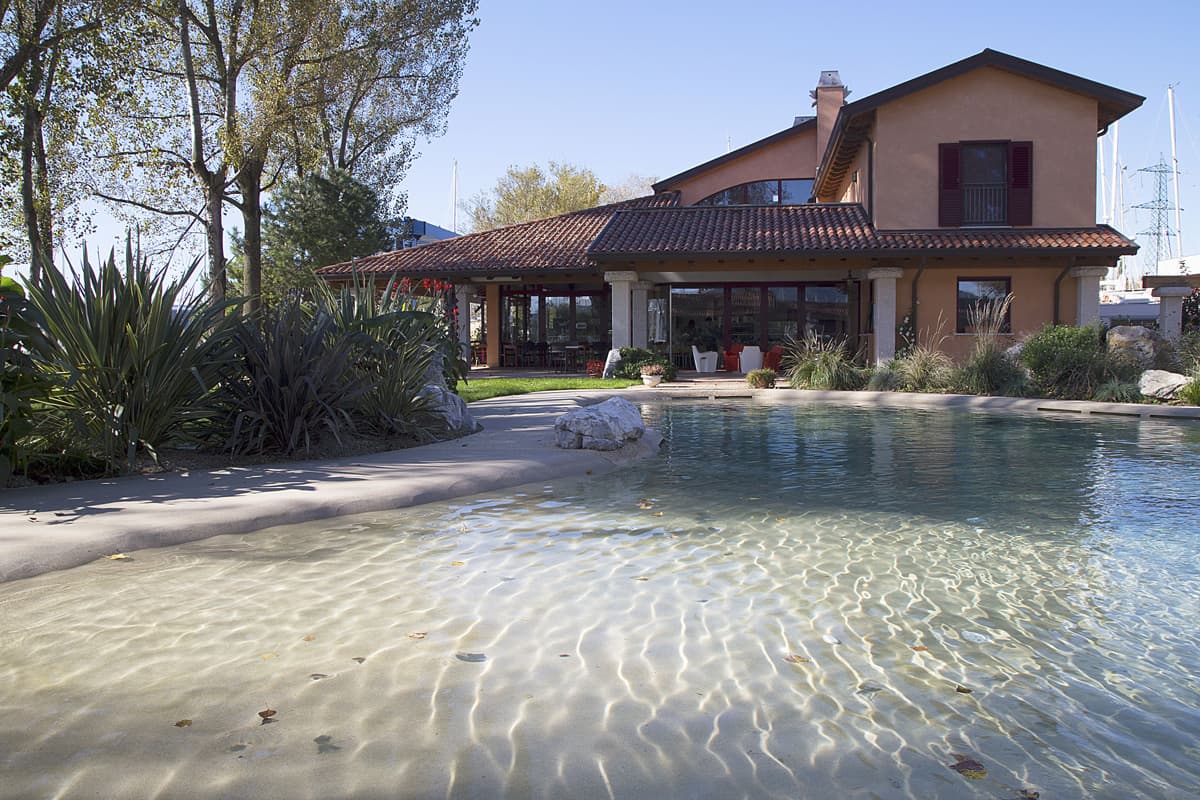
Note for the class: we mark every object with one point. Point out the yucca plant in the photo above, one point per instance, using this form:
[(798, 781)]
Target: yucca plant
[(23, 384), (136, 356), (295, 377), (884, 377), (817, 363)]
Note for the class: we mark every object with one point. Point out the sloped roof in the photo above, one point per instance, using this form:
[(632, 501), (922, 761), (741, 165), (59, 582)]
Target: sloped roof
[(801, 124), (854, 119), (821, 229), (555, 243)]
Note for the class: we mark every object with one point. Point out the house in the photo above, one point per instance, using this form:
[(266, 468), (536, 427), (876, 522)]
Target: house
[(904, 208)]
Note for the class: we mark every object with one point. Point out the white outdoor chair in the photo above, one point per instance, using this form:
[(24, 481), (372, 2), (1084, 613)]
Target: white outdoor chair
[(705, 362), (752, 358)]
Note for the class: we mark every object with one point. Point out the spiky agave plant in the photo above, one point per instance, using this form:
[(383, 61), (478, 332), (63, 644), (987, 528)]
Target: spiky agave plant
[(816, 363), (137, 355)]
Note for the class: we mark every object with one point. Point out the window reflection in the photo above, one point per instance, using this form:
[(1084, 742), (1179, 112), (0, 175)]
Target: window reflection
[(763, 193)]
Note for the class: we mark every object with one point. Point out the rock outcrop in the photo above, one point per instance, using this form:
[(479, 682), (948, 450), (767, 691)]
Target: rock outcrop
[(605, 426), (1134, 343), (1161, 385)]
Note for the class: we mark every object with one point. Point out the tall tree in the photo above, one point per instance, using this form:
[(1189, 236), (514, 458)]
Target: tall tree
[(317, 220), (523, 194)]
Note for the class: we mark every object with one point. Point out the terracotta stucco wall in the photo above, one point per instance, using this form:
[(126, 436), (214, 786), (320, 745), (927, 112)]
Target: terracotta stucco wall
[(855, 186), (987, 104), (795, 157)]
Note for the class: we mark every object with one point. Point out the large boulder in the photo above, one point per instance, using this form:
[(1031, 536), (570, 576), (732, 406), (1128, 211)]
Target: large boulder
[(1160, 384), (1134, 343), (451, 408), (604, 426)]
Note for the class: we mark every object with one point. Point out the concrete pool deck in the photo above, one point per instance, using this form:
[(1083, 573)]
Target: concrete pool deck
[(56, 527)]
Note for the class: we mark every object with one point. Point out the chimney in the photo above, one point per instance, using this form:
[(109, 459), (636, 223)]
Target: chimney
[(828, 97)]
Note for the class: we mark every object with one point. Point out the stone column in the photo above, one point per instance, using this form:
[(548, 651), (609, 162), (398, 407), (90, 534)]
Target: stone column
[(1170, 310), (1087, 296), (462, 301), (491, 312), (622, 306), (883, 279), (639, 297)]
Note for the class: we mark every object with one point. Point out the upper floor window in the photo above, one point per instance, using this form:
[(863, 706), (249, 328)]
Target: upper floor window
[(787, 192), (985, 183)]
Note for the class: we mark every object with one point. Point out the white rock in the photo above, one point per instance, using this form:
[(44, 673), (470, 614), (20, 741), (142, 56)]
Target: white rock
[(1160, 384), (451, 408), (611, 363), (1134, 343), (604, 426)]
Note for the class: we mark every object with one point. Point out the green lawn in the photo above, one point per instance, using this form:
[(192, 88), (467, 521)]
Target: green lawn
[(498, 387)]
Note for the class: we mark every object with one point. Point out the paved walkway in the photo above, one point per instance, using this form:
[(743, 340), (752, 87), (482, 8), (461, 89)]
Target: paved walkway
[(47, 528)]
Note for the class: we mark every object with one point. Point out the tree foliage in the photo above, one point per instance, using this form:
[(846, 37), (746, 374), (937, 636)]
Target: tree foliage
[(317, 220), (524, 194)]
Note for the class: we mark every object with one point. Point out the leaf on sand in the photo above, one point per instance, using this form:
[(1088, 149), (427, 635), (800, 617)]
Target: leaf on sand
[(316, 676), (266, 715), (564, 655), (417, 635), (268, 656), (796, 658), (183, 723), (829, 638), (471, 658), (457, 563), (358, 659), (118, 557), (968, 767), (920, 648), (963, 690), (310, 638)]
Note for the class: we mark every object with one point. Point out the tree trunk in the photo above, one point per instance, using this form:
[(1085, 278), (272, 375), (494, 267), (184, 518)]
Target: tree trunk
[(29, 205), (214, 201), (249, 180)]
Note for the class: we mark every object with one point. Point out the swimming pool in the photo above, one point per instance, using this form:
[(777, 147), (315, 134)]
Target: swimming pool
[(788, 601)]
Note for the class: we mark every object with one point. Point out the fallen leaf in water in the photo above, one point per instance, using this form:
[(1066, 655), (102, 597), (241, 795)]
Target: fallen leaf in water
[(589, 472), (657, 514), (267, 713), (796, 658), (237, 748), (968, 767), (268, 656), (829, 638), (564, 655), (963, 690), (316, 676), (417, 635), (118, 557), (457, 563), (645, 504), (310, 638), (920, 648), (641, 578), (1030, 794), (471, 658), (869, 689), (779, 519), (358, 659), (183, 723)]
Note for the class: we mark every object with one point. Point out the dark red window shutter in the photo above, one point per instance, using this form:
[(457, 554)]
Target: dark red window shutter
[(1020, 183), (950, 205)]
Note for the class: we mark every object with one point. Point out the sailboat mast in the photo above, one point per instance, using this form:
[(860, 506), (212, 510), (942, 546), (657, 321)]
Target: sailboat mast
[(1175, 173), (1103, 181), (454, 197)]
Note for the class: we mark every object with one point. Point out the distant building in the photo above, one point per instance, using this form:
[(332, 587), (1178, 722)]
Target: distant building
[(409, 232), (1188, 265)]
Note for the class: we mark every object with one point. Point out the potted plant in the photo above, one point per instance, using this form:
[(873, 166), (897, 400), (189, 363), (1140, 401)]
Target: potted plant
[(652, 374)]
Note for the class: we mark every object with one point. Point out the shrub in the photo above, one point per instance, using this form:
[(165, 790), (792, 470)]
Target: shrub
[(814, 363), (1067, 361), (884, 377), (761, 378), (23, 384), (137, 358), (924, 369), (1189, 394), (633, 358), (652, 369), (297, 375), (1117, 391), (1191, 311), (1188, 349), (988, 369)]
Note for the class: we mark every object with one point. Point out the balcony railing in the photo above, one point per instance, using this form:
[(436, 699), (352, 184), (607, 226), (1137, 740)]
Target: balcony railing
[(985, 204)]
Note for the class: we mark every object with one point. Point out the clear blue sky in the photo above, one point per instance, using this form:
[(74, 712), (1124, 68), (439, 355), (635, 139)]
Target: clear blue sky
[(655, 87)]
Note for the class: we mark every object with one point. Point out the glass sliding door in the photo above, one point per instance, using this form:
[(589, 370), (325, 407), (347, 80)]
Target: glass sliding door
[(826, 311), (745, 315), (783, 314), (697, 318)]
